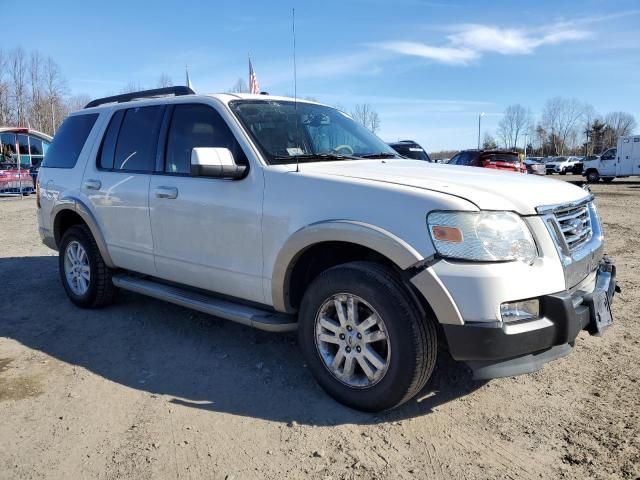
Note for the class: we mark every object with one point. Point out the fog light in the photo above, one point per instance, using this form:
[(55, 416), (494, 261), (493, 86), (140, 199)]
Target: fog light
[(520, 310)]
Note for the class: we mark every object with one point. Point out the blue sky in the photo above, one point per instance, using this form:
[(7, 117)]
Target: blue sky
[(427, 67)]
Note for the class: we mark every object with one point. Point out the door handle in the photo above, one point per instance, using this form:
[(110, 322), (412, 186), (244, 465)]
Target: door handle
[(92, 184), (166, 192)]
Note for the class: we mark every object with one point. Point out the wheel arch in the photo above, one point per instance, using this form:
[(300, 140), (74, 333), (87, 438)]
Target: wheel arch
[(72, 211), (361, 238)]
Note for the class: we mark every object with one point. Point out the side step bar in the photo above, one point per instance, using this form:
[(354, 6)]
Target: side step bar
[(249, 316)]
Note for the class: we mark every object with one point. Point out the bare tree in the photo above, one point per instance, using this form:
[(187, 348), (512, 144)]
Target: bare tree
[(55, 89), (618, 124), (366, 116), (164, 80), (239, 87), (77, 102), (513, 125), (18, 79), (561, 118), (5, 107), (131, 87)]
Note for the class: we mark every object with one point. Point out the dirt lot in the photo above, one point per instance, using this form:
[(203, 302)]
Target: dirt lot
[(144, 389)]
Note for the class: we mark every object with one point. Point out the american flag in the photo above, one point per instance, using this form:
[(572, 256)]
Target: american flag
[(253, 81)]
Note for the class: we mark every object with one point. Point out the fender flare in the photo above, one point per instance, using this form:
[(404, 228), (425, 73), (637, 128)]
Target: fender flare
[(382, 241), (71, 202)]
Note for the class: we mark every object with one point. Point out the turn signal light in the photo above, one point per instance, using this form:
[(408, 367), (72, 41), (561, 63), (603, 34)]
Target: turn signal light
[(447, 234)]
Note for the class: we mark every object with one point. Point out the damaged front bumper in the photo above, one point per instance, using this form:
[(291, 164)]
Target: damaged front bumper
[(499, 349)]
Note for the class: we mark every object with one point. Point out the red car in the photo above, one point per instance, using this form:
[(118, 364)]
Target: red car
[(12, 179), (496, 159)]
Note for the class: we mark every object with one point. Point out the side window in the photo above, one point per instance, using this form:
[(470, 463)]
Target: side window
[(23, 146), (36, 145), (7, 146), (454, 160), (138, 139), (197, 125), (108, 148), (69, 140)]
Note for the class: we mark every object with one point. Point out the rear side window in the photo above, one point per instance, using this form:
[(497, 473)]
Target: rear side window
[(138, 139), (108, 148), (69, 140)]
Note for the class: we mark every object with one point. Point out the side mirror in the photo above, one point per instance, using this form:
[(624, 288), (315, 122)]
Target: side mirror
[(216, 163)]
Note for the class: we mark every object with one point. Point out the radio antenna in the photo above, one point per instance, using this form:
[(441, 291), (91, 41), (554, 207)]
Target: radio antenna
[(295, 85)]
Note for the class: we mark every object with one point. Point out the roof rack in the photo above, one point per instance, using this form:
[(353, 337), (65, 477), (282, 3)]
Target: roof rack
[(127, 97)]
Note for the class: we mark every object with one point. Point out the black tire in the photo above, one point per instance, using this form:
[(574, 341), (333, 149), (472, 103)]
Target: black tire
[(593, 176), (563, 172), (411, 335), (607, 179), (101, 290)]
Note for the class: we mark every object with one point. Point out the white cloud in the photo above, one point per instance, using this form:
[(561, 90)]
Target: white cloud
[(469, 42)]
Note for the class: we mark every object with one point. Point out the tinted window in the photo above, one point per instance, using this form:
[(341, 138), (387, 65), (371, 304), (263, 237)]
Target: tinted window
[(7, 146), (23, 144), (197, 126), (138, 138), (108, 148), (36, 145), (69, 140), (412, 151), (501, 157)]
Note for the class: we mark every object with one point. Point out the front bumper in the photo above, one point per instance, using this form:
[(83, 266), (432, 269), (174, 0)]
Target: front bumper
[(497, 349)]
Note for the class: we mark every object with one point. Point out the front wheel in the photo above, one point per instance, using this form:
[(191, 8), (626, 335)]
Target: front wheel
[(365, 340), (593, 176)]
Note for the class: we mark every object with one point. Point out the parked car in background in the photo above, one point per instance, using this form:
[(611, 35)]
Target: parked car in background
[(410, 149), (14, 179), (561, 165), (534, 166), (622, 161), (442, 160), (24, 146), (495, 159)]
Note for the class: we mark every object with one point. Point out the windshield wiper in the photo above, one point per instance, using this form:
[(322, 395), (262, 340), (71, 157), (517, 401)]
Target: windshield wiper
[(378, 155), (315, 156)]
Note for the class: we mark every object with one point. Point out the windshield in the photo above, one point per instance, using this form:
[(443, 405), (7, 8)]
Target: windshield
[(501, 157), (412, 151), (309, 132)]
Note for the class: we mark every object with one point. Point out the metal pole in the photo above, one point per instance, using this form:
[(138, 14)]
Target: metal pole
[(479, 117)]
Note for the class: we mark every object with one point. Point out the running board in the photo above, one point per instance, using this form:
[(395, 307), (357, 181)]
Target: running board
[(249, 316)]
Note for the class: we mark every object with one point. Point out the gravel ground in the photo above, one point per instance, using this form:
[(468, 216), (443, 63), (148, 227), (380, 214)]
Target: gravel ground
[(145, 389)]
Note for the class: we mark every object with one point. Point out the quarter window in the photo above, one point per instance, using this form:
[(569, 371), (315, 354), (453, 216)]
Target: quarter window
[(138, 138), (197, 125), (69, 141)]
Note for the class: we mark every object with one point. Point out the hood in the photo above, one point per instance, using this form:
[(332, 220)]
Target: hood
[(488, 189)]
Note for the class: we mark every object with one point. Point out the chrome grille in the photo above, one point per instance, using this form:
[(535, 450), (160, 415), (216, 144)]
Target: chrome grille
[(575, 225)]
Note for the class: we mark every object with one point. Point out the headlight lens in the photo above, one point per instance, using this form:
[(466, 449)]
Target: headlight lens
[(482, 236)]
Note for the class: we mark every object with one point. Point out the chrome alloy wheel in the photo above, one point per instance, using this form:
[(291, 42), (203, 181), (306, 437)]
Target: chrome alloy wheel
[(352, 340), (76, 268)]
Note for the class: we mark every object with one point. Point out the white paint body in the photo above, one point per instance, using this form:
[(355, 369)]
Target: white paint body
[(229, 236)]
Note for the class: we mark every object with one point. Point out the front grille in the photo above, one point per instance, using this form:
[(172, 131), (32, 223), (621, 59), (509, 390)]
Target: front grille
[(575, 225)]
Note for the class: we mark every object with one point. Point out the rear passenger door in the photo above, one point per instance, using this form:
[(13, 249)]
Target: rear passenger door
[(206, 231), (118, 185)]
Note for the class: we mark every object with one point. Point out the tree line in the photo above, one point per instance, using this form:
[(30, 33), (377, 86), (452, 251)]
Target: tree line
[(565, 127)]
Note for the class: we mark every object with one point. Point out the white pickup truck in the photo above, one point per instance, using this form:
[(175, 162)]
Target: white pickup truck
[(284, 215)]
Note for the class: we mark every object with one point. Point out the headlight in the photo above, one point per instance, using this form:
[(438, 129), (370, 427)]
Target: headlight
[(482, 236)]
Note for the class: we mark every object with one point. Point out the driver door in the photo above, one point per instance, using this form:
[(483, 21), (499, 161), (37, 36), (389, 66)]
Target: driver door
[(207, 231), (608, 163)]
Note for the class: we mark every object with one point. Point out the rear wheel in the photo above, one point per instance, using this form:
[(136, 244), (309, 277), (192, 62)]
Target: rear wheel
[(365, 340), (593, 176), (84, 275)]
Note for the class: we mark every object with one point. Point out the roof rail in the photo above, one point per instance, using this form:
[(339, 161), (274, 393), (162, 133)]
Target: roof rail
[(127, 97)]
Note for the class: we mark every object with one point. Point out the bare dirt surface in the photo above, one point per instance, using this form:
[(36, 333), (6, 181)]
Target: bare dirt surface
[(145, 389)]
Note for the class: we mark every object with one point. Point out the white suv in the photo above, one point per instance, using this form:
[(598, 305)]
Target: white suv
[(288, 215)]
